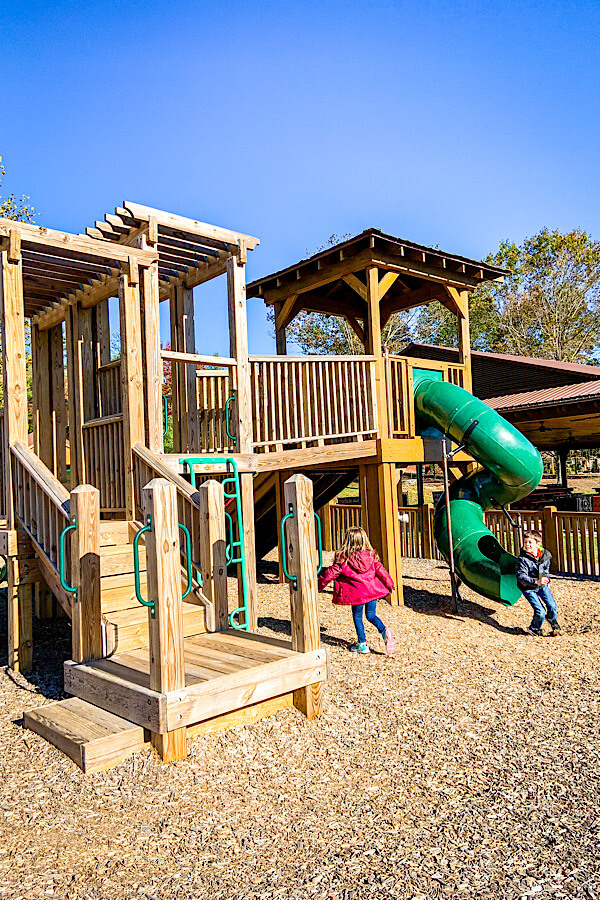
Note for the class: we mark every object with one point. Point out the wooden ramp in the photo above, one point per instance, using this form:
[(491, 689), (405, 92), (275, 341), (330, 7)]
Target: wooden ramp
[(231, 678)]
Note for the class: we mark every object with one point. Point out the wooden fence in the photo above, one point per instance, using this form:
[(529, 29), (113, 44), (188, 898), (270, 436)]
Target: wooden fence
[(305, 400), (104, 455), (400, 394), (572, 538)]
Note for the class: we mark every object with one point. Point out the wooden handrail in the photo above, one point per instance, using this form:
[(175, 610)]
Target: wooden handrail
[(315, 357), (103, 420), (43, 477), (197, 359), (164, 471), (110, 365)]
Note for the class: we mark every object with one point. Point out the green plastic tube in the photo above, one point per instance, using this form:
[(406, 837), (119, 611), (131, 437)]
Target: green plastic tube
[(512, 468)]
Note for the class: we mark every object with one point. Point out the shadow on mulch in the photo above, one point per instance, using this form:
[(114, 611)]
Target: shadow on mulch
[(283, 627), (429, 604), (267, 571), (51, 647)]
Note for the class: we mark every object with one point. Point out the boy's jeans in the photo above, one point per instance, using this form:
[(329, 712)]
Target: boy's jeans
[(538, 600)]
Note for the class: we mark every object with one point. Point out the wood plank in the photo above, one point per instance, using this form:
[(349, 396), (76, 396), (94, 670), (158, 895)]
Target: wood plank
[(190, 226), (204, 701), (246, 716)]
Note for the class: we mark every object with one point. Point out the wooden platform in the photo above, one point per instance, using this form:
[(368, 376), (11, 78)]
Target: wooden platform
[(226, 671)]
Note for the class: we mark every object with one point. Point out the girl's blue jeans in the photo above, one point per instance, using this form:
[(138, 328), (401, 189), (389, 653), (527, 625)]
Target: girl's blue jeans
[(370, 609), (542, 601)]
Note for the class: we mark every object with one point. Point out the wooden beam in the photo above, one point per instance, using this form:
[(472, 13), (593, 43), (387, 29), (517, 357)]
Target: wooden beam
[(356, 328), (385, 283), (302, 558), (132, 383), (85, 568), (374, 347), (317, 279), (357, 285), (153, 368), (163, 567), (190, 226), (283, 319)]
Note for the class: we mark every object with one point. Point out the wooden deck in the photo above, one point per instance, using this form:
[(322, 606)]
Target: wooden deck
[(224, 672)]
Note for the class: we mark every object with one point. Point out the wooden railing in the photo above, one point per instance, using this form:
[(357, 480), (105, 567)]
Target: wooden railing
[(41, 502), (312, 400), (572, 538), (104, 454), (109, 388), (215, 388), (399, 376)]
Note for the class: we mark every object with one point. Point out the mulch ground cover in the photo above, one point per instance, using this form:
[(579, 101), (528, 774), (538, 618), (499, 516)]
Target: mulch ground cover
[(466, 765)]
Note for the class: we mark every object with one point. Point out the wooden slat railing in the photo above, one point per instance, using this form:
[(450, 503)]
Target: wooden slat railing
[(215, 387), (41, 502), (308, 400), (104, 454), (109, 388), (399, 370)]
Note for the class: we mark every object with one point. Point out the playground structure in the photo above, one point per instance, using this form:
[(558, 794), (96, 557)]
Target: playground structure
[(241, 426)]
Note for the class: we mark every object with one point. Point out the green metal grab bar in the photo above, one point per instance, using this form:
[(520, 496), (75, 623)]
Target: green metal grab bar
[(61, 558), (151, 604), (165, 415), (3, 569), (188, 560), (319, 545), (232, 437), (293, 578), (290, 515), (230, 555)]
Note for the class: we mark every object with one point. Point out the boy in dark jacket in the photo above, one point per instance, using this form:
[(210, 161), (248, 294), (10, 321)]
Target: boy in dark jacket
[(533, 578)]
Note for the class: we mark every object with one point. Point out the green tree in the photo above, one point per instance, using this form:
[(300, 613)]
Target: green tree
[(11, 208)]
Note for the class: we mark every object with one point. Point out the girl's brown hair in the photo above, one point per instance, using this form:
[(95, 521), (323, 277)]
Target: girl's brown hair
[(355, 540)]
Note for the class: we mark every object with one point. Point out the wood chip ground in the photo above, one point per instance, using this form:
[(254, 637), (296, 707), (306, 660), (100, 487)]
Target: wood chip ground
[(466, 765)]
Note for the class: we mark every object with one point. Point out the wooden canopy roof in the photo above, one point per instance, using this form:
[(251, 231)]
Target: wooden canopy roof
[(59, 267), (327, 281)]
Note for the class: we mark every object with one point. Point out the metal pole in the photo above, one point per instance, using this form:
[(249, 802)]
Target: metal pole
[(453, 587)]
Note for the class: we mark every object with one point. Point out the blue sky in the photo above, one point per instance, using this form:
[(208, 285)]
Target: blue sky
[(450, 123)]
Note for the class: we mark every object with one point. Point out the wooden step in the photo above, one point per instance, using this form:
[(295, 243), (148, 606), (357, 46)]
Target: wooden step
[(127, 629), (119, 560), (92, 737), (114, 533)]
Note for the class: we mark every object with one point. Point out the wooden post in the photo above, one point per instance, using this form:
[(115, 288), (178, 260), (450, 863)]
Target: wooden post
[(427, 528), (325, 517), (373, 346), (103, 334), (563, 455), (551, 536), (88, 362), (238, 342), (85, 573), (74, 396), (58, 409), (302, 563), (212, 550), (176, 345), (163, 567), (153, 367), (132, 382), (379, 504), (43, 601), (43, 443), (464, 339), (280, 336), (188, 373)]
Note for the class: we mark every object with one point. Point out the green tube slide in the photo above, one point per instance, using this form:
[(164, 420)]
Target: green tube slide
[(512, 468)]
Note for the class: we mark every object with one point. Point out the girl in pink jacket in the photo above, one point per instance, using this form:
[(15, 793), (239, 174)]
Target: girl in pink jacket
[(360, 581)]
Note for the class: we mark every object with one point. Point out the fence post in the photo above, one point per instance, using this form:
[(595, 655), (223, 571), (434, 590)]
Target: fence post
[(324, 515), (551, 537), (427, 528), (85, 574), (212, 551), (302, 564), (163, 567)]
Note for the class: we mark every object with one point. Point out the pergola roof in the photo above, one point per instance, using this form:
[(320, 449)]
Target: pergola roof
[(332, 281), (59, 267)]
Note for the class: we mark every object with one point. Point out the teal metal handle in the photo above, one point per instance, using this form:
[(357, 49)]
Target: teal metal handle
[(165, 415), (188, 560), (292, 578), (61, 558), (319, 544), (136, 568), (231, 436)]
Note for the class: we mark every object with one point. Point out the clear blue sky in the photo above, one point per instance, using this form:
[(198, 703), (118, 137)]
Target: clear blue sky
[(450, 123)]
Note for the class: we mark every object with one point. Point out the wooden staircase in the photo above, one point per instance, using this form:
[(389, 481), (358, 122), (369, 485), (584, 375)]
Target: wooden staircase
[(124, 619)]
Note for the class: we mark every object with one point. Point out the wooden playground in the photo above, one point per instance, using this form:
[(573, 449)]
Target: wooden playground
[(134, 543)]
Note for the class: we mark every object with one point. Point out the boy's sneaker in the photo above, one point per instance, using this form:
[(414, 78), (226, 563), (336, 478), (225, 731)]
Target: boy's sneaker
[(360, 648), (535, 632), (556, 629), (389, 640)]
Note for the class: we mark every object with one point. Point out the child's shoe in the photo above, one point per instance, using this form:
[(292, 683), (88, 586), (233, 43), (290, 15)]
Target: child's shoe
[(535, 632), (556, 629), (389, 640), (360, 648)]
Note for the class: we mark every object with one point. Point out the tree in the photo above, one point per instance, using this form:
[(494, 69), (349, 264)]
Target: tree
[(11, 208), (548, 306), (319, 333)]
